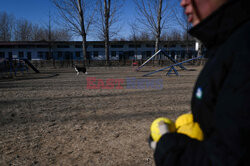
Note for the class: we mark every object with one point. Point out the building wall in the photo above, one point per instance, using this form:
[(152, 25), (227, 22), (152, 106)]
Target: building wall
[(95, 50)]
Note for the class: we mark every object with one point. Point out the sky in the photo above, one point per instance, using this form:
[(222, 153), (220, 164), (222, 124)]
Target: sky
[(37, 12)]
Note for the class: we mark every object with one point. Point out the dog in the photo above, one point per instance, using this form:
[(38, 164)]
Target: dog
[(80, 69)]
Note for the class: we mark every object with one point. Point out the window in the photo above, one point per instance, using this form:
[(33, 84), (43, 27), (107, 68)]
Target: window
[(22, 46), (150, 46), (143, 53), (95, 53), (29, 55), (47, 55), (78, 53), (88, 55), (42, 46), (78, 46), (7, 46), (113, 53), (2, 55), (59, 54), (116, 46), (130, 53), (25, 46), (172, 54), (68, 55), (98, 46), (149, 53), (10, 55), (167, 52), (20, 54), (40, 55), (62, 46), (182, 54), (134, 46)]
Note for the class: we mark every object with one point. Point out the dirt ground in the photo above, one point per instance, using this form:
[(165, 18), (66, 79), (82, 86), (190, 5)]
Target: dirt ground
[(53, 119)]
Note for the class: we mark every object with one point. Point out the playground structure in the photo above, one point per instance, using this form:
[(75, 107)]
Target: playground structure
[(31, 66), (148, 60), (15, 65), (171, 67)]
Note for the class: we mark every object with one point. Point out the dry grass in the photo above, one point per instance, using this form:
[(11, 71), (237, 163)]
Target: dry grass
[(57, 121)]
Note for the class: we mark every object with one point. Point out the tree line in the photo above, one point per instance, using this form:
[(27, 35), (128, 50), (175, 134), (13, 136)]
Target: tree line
[(13, 29)]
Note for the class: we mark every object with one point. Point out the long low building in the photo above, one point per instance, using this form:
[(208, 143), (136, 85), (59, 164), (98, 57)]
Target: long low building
[(72, 50)]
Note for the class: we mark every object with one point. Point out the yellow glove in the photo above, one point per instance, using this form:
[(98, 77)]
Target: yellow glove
[(159, 127), (185, 125)]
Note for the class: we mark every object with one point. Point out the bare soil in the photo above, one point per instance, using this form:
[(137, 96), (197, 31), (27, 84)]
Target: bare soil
[(48, 119)]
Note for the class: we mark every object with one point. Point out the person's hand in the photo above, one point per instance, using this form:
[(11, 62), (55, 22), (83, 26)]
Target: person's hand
[(159, 127), (185, 125)]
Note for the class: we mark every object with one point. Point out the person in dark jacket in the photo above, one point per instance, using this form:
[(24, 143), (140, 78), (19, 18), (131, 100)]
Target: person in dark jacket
[(221, 96)]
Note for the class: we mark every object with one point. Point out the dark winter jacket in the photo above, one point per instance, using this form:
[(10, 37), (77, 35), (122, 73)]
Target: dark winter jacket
[(221, 97)]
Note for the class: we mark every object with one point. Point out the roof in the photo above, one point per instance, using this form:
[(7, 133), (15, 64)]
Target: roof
[(8, 43)]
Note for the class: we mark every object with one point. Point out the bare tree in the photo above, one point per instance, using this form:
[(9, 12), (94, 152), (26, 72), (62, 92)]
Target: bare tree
[(23, 30), (6, 26), (60, 35), (164, 36), (42, 33), (106, 31), (78, 16), (158, 27), (182, 20), (108, 17), (145, 36), (137, 35), (153, 15), (119, 38), (134, 32), (38, 33), (174, 35)]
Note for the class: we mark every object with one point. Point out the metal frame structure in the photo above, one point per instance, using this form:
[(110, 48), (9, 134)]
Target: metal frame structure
[(172, 67), (148, 60), (173, 60), (30, 65)]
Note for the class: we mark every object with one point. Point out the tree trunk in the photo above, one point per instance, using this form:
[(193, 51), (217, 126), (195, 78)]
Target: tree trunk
[(106, 33), (84, 50), (107, 47), (83, 34), (158, 32)]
